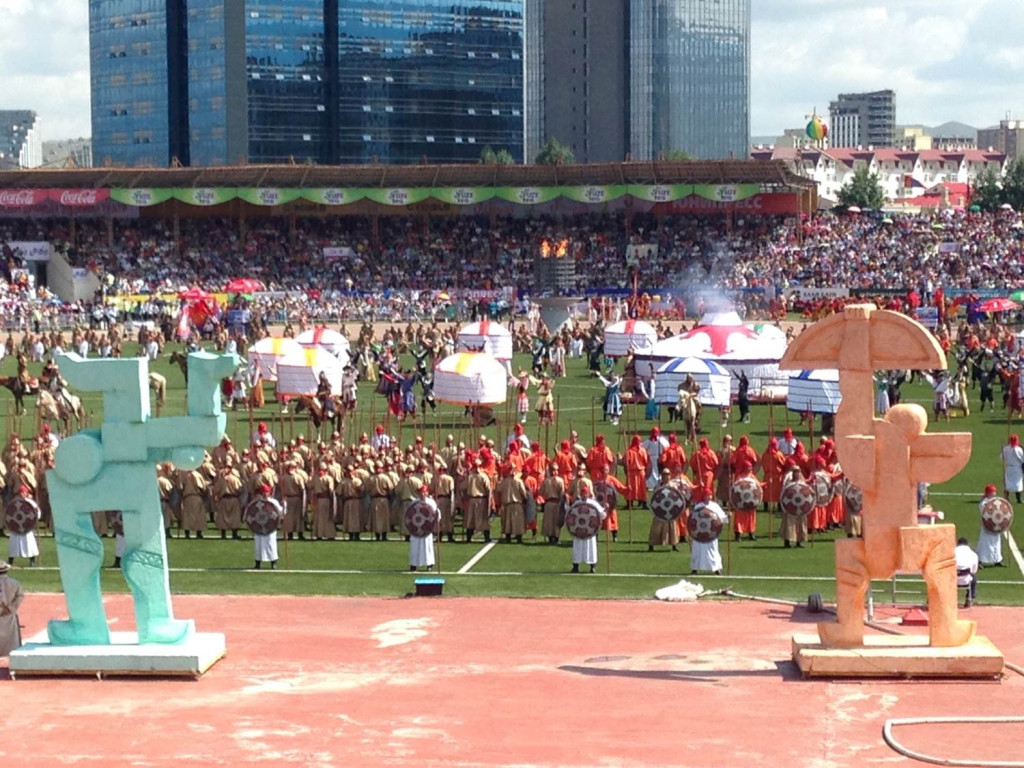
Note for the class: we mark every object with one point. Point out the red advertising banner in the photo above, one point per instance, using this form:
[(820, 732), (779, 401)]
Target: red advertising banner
[(72, 198), (765, 204)]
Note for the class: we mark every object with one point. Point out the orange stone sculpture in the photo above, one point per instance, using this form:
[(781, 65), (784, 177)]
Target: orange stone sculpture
[(886, 457)]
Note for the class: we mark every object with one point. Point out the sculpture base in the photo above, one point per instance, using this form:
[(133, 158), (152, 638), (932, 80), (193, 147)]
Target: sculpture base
[(897, 656), (554, 310), (124, 656)]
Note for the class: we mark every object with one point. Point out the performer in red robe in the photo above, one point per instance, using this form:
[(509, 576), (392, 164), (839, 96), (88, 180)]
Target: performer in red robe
[(705, 466), (673, 458), (638, 463), (773, 467), (744, 521)]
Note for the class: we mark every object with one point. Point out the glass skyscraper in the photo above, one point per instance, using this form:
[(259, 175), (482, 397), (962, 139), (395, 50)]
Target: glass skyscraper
[(214, 82), (429, 78), (689, 77)]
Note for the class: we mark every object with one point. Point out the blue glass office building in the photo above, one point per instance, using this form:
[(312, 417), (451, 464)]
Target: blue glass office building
[(689, 77), (213, 82)]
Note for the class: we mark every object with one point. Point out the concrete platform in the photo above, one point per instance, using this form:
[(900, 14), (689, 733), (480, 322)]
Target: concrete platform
[(123, 657), (899, 656)]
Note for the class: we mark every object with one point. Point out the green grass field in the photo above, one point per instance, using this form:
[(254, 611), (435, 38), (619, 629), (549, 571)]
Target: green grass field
[(536, 569)]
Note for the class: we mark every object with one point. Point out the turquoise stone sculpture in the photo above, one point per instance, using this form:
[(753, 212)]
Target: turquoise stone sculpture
[(114, 467)]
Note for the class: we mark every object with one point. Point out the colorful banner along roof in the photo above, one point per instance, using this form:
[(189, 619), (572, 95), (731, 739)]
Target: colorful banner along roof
[(395, 196)]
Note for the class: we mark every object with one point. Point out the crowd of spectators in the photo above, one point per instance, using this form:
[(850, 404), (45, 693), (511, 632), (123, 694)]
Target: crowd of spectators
[(397, 266)]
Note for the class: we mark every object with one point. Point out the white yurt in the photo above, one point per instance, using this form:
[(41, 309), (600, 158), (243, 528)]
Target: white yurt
[(328, 339), (299, 373), (470, 378), (725, 339), (712, 378), (814, 391), (629, 336), (266, 352), (486, 336)]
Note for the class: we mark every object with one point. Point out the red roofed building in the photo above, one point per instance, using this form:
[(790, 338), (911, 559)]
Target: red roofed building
[(905, 175)]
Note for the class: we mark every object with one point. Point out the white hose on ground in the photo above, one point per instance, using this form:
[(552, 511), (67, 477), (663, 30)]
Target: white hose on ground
[(891, 740)]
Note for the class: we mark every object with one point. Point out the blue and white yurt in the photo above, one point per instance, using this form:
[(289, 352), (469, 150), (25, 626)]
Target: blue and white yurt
[(814, 391), (714, 381)]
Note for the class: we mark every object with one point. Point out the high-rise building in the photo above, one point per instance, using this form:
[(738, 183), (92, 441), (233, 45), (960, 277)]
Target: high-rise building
[(611, 78), (1007, 137), (863, 119), (20, 143), (212, 82)]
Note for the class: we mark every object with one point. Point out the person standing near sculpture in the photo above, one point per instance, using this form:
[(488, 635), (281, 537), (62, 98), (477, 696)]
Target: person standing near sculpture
[(11, 597), (1013, 467), (990, 543)]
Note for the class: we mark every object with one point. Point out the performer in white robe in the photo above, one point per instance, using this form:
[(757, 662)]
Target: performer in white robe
[(1013, 467), (704, 555), (266, 544), (24, 544), (654, 445), (585, 550), (11, 596), (421, 548), (990, 545)]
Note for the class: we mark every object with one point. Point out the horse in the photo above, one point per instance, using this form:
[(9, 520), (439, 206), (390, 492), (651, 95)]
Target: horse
[(181, 359), (19, 388), (685, 410), (316, 412), (60, 409)]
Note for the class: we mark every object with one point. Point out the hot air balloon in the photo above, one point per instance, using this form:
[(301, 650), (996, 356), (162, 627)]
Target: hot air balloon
[(816, 130)]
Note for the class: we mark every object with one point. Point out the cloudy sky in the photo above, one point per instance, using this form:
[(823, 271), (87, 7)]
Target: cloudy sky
[(946, 59)]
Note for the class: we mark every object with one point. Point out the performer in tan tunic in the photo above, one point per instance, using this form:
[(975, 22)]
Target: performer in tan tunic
[(444, 492), (552, 490), (478, 511), (227, 505), (324, 525), (193, 508), (380, 486), (165, 483), (663, 532), (350, 491), (512, 495), (293, 494)]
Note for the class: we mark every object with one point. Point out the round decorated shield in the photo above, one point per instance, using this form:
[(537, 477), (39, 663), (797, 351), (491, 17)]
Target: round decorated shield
[(853, 497), (797, 499), (115, 519), (262, 516), (822, 484), (669, 501), (706, 523), (746, 494), (996, 514), (606, 495), (583, 519), (421, 518), (21, 515)]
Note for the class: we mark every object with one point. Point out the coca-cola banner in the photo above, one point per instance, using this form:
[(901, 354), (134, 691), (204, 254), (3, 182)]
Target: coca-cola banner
[(22, 198), (72, 198), (30, 250)]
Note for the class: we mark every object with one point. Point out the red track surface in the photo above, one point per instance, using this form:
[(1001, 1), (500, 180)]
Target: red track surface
[(494, 682)]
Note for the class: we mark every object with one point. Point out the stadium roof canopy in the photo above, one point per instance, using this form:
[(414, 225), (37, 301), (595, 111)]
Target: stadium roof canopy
[(771, 173)]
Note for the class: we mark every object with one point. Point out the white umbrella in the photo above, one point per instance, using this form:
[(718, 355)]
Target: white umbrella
[(266, 352), (853, 209), (815, 391), (470, 378), (486, 336), (714, 381), (324, 337), (629, 336), (298, 373), (1006, 207)]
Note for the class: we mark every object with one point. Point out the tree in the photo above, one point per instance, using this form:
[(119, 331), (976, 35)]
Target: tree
[(987, 192), (1013, 185), (863, 190), (555, 153), (678, 154), (502, 157)]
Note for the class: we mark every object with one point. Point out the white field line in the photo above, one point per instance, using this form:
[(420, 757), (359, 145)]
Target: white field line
[(476, 558), (1015, 550)]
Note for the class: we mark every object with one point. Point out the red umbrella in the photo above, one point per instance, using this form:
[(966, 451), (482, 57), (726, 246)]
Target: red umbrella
[(243, 285), (996, 305), (194, 294)]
